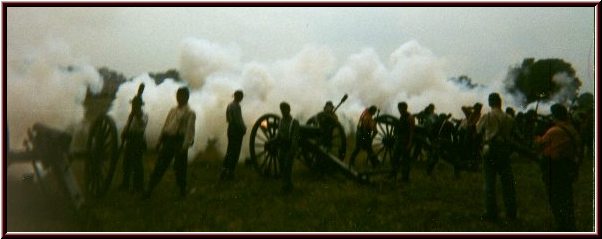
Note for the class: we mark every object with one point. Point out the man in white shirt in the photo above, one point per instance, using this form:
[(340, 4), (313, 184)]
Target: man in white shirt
[(496, 128), (176, 137)]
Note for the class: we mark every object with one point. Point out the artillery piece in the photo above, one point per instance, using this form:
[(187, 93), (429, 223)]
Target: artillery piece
[(49, 150), (316, 154)]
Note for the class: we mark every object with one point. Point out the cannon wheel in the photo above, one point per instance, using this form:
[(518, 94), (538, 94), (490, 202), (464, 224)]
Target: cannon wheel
[(339, 144), (383, 146), (384, 142), (263, 145), (102, 156)]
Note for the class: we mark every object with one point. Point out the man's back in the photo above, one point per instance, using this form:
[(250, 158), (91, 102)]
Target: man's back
[(495, 125)]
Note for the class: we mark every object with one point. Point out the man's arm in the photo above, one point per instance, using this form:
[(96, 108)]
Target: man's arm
[(294, 134), (412, 126), (161, 136), (189, 137), (237, 119), (481, 123)]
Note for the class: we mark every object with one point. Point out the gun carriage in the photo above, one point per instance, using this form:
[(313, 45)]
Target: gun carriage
[(317, 154), (49, 150)]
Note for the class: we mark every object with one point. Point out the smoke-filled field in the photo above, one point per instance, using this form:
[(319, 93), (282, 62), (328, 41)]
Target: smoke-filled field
[(61, 82), (441, 203), (319, 203), (52, 87)]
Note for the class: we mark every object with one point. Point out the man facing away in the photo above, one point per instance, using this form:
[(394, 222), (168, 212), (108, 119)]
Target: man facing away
[(176, 137), (496, 128), (236, 131), (561, 155)]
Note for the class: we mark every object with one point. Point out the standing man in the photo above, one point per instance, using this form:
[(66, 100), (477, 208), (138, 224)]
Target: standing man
[(176, 137), (471, 140), (288, 138), (496, 128), (236, 131), (135, 145), (561, 156), (404, 133), (366, 130)]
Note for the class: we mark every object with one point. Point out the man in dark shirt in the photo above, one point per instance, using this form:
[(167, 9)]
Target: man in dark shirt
[(236, 131), (404, 134), (134, 145), (288, 137), (327, 121)]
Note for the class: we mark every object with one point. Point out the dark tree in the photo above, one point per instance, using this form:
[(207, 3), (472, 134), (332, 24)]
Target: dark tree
[(534, 79)]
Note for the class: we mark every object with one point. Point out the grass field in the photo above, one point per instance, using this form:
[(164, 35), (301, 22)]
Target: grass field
[(328, 203)]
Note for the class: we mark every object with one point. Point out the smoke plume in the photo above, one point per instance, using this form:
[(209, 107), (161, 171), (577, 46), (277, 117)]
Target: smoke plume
[(306, 81), (47, 85), (43, 90)]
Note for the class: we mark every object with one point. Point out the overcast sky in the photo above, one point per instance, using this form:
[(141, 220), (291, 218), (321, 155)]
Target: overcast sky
[(479, 42)]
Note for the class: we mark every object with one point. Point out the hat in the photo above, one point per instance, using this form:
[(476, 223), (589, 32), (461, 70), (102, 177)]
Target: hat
[(329, 103), (137, 100)]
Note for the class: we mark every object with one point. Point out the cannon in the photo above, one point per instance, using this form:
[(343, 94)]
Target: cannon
[(50, 151), (445, 139), (317, 154)]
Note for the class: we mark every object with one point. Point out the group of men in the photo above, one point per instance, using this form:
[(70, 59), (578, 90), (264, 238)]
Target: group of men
[(490, 138), (176, 137), (558, 147), (560, 154), (288, 133)]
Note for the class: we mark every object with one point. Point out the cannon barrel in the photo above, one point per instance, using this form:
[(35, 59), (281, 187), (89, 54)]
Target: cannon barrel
[(44, 143), (47, 138), (50, 146)]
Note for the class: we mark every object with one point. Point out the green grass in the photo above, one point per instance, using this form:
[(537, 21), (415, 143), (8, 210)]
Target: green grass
[(329, 203)]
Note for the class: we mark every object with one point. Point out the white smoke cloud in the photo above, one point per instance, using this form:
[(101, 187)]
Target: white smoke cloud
[(306, 81), (47, 85), (567, 88), (158, 100), (200, 58)]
